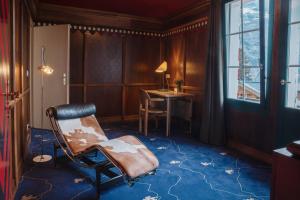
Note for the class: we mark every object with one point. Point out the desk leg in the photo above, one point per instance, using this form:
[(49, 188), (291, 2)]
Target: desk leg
[(168, 125)]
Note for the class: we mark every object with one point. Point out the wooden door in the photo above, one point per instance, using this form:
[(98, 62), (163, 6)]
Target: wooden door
[(49, 90), (289, 126)]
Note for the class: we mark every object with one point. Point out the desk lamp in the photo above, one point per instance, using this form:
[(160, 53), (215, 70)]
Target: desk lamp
[(162, 68)]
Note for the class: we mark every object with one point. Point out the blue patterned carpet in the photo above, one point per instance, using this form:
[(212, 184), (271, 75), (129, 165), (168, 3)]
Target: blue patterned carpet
[(188, 171)]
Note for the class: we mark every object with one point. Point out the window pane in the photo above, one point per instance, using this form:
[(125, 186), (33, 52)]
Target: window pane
[(294, 45), (293, 88), (243, 48), (295, 11), (252, 75), (234, 50), (233, 17), (251, 48), (252, 84), (250, 14), (233, 83)]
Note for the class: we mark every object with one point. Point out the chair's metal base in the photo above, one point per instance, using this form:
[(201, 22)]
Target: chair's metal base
[(101, 167), (42, 158)]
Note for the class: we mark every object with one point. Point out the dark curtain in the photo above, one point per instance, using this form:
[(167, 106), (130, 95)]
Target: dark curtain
[(212, 125)]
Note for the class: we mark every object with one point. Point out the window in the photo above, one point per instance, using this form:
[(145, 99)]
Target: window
[(246, 48), (293, 61)]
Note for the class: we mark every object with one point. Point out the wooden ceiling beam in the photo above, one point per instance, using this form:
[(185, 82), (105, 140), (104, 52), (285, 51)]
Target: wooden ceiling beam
[(45, 12)]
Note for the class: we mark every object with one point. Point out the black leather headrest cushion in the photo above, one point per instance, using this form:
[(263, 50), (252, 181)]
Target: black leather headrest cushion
[(72, 111)]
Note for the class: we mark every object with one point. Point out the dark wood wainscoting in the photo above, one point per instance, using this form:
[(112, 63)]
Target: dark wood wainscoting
[(186, 54), (109, 69)]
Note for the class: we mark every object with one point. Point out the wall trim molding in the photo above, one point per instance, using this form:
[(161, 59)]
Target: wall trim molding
[(191, 26), (250, 151)]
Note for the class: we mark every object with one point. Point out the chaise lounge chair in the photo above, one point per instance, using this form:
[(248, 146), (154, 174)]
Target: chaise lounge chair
[(78, 134)]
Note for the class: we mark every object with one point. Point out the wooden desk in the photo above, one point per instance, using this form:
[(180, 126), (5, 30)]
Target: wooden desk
[(169, 95)]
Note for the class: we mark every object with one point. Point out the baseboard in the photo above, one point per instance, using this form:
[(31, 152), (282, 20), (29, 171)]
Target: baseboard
[(119, 118), (131, 118), (250, 151)]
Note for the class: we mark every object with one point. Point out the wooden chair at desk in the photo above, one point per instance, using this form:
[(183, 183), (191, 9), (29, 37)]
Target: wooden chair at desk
[(150, 107)]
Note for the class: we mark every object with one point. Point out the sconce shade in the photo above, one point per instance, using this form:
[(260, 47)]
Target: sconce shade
[(46, 69), (162, 67)]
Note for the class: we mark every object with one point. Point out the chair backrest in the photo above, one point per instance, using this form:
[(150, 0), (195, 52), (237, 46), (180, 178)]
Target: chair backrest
[(78, 126), (144, 96)]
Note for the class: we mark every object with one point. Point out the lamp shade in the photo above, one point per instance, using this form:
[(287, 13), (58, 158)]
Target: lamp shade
[(162, 67), (46, 69)]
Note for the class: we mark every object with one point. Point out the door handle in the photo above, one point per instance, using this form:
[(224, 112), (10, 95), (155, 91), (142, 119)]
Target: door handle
[(284, 82), (64, 79)]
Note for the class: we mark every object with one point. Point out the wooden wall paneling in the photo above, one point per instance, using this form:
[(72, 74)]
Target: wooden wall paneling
[(25, 72), (162, 49), (142, 58), (108, 100), (124, 100), (175, 53), (76, 57), (196, 58), (113, 60), (103, 73), (76, 94), (84, 70), (103, 58), (25, 49), (17, 83), (26, 121), (249, 128)]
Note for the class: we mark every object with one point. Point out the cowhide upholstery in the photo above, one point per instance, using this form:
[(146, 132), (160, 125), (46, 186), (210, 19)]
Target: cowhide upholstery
[(130, 155), (81, 134), (127, 153)]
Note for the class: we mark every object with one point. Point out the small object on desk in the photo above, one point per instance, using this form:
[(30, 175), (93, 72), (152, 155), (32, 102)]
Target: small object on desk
[(179, 84), (294, 148), (168, 76)]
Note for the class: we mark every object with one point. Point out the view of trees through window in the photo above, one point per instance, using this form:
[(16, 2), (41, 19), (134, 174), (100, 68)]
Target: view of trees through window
[(293, 69), (245, 64)]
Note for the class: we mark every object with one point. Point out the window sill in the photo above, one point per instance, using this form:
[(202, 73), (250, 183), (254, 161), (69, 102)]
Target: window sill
[(243, 105)]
